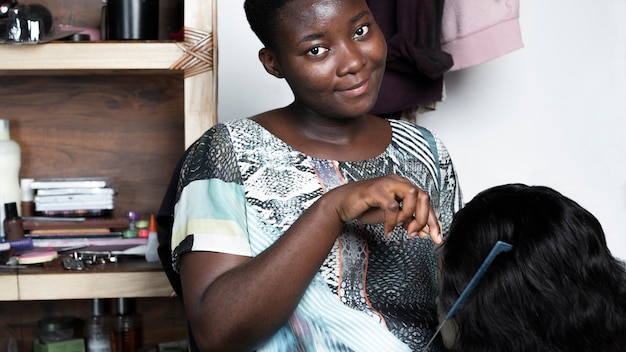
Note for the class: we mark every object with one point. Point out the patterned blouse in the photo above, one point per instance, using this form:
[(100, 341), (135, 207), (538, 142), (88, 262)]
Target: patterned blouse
[(242, 187)]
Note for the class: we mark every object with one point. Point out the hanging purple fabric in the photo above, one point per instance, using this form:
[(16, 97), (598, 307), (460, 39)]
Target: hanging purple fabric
[(415, 61)]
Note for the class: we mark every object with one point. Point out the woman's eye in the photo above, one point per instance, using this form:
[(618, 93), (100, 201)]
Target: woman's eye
[(317, 51), (361, 31)]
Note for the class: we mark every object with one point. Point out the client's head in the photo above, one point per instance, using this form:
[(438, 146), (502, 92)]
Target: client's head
[(559, 289)]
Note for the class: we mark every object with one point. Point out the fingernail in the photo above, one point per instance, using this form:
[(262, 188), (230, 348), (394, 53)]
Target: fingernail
[(413, 234)]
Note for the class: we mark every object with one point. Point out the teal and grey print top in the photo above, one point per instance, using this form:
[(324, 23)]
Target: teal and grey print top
[(242, 187)]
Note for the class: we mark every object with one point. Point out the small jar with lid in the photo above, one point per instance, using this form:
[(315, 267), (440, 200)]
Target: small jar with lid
[(55, 329)]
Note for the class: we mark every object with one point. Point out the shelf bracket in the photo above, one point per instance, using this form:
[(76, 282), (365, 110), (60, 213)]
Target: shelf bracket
[(197, 53)]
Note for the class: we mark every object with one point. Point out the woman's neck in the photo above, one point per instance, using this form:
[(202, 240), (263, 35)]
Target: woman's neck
[(337, 138)]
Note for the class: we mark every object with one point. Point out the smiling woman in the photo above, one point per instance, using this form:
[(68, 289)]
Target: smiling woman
[(329, 65), (302, 227)]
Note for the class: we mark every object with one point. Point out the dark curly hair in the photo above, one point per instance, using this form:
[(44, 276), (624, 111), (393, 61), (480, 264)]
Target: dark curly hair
[(262, 16), (559, 289)]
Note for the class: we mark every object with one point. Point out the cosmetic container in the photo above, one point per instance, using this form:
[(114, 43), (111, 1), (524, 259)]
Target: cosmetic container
[(12, 224), (152, 254), (126, 334), (10, 163), (98, 328)]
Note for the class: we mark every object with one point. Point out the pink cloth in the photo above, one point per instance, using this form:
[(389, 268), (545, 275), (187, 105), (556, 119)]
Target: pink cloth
[(476, 31)]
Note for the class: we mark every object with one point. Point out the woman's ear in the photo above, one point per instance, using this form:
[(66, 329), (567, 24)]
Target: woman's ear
[(268, 59)]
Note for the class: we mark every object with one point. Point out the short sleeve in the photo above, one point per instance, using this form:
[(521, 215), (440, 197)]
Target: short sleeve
[(210, 210)]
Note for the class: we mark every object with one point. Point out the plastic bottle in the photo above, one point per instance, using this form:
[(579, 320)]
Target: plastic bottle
[(152, 254), (10, 162), (12, 224), (98, 328)]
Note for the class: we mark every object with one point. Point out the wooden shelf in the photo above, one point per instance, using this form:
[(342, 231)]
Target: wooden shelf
[(128, 278), (8, 282), (93, 285), (65, 58), (90, 56)]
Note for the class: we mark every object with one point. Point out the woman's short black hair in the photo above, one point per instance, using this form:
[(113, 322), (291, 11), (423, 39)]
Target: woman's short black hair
[(262, 16), (559, 289)]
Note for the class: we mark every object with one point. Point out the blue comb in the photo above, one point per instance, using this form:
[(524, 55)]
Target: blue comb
[(498, 248)]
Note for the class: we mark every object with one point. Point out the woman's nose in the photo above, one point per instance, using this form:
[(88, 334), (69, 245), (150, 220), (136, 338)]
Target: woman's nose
[(352, 59)]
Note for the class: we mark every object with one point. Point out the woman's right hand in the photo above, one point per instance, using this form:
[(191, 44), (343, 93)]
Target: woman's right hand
[(392, 200)]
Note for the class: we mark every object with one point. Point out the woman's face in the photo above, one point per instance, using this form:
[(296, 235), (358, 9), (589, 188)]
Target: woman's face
[(332, 54)]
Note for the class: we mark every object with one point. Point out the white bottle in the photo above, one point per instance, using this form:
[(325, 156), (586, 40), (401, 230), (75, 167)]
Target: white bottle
[(10, 162), (152, 254)]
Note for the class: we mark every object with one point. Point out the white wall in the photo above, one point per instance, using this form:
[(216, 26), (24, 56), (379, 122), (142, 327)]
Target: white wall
[(551, 113)]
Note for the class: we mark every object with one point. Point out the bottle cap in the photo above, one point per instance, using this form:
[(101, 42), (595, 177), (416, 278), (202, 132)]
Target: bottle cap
[(153, 227), (55, 323), (55, 329), (4, 129), (22, 245), (125, 306), (10, 210), (133, 215), (97, 307)]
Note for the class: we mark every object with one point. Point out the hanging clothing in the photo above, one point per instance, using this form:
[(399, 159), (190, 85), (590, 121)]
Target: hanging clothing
[(415, 61), (476, 31)]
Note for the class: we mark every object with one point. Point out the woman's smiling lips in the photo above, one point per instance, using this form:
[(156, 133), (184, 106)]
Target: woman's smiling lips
[(356, 89)]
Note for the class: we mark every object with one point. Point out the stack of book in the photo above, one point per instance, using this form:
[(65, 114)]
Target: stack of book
[(94, 234), (76, 213), (78, 196)]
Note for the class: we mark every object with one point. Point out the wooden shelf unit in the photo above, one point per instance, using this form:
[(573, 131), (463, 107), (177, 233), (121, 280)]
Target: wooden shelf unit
[(26, 70)]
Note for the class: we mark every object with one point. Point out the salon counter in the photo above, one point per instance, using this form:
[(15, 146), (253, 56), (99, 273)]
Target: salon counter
[(129, 277)]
